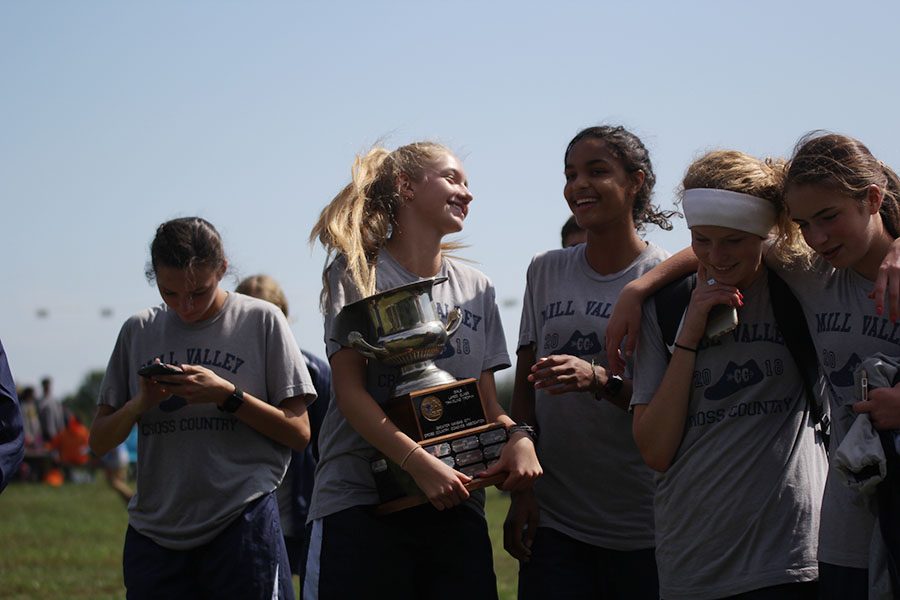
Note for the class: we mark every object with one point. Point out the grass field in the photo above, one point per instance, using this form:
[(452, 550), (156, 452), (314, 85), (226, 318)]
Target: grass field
[(66, 542)]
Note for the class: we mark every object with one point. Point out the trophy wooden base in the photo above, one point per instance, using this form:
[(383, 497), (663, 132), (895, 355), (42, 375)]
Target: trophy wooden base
[(470, 451)]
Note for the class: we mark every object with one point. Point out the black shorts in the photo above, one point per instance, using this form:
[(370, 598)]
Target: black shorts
[(563, 567), (418, 553)]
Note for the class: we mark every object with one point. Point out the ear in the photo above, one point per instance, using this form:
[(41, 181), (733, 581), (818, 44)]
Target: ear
[(404, 187), (222, 269), (638, 179), (874, 198)]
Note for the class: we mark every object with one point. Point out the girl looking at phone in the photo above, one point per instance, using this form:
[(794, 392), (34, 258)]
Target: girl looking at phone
[(726, 422), (213, 441), (385, 229)]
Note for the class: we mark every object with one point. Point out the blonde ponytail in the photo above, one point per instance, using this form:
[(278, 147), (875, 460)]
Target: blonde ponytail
[(359, 219)]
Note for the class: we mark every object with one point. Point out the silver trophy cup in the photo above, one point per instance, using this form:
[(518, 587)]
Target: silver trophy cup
[(409, 334)]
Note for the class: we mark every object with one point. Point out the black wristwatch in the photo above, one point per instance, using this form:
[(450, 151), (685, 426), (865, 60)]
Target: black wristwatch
[(233, 402), (613, 385), (522, 428)]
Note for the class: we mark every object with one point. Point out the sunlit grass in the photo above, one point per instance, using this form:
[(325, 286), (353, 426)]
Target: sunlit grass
[(66, 542)]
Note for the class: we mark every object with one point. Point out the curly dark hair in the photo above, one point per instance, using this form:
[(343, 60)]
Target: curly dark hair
[(630, 150)]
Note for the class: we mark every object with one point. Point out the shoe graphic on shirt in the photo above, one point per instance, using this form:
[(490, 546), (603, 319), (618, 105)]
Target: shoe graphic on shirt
[(580, 344), (844, 376), (734, 378), (172, 403), (448, 350)]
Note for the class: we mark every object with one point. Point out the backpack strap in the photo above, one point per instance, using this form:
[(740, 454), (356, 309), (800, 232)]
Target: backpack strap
[(671, 302), (792, 324)]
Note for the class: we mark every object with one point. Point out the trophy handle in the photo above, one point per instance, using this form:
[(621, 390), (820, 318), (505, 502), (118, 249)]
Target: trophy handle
[(358, 343), (454, 319)]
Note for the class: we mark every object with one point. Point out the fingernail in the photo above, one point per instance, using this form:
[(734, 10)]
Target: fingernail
[(878, 309)]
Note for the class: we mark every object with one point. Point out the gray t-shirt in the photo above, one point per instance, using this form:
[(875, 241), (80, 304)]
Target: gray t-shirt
[(198, 467), (845, 329), (585, 445), (344, 476), (738, 509)]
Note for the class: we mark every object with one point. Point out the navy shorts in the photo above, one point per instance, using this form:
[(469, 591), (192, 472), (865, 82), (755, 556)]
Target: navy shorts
[(247, 561), (417, 554), (800, 590), (563, 567), (842, 583)]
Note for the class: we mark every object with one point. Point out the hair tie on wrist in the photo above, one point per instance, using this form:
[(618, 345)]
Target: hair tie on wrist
[(408, 454), (688, 348)]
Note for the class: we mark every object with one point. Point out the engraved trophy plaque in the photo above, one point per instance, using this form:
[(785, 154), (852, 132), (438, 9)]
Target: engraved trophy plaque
[(400, 327)]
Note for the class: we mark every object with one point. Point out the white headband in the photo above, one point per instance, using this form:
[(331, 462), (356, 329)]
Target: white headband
[(722, 208)]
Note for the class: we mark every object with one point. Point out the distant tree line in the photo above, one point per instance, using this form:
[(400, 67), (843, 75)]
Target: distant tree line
[(84, 401)]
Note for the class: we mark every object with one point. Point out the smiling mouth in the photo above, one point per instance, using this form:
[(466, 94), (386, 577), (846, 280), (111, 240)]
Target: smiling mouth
[(585, 201), (459, 209), (831, 253), (722, 270)]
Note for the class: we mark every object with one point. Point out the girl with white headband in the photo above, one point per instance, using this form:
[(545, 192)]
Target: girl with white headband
[(587, 529), (726, 422), (845, 202)]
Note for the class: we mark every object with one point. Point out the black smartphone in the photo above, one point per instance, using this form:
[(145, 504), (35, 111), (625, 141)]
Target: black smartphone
[(158, 370)]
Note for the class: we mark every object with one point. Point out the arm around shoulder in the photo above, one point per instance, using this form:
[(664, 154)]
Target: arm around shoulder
[(625, 322)]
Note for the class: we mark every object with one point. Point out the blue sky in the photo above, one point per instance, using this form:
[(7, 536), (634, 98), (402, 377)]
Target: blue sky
[(117, 116)]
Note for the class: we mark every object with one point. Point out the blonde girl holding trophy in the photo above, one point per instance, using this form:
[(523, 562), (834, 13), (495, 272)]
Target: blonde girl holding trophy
[(386, 228)]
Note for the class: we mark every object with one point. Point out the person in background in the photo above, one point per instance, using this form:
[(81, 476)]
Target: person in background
[(115, 470), (572, 234), (12, 433), (50, 410), (70, 444), (34, 435), (38, 461), (295, 491)]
